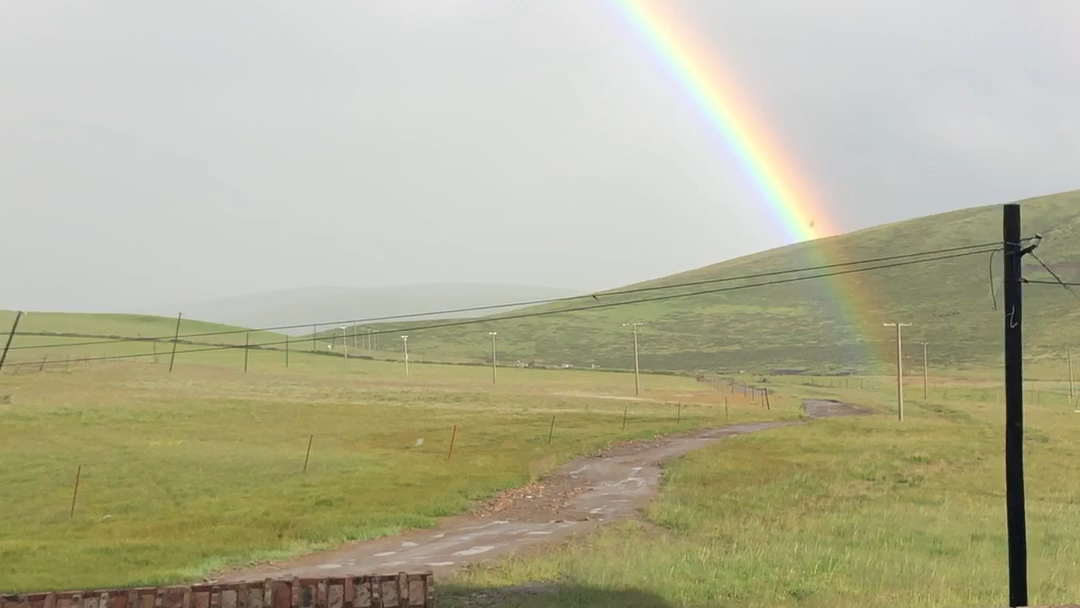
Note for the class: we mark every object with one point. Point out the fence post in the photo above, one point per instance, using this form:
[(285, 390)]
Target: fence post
[(626, 410), (286, 351), (453, 435), (551, 431), (41, 368), (308, 454), (768, 405), (75, 493), (678, 413), (247, 343)]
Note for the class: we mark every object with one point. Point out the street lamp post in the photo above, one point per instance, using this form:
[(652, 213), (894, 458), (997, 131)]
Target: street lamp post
[(493, 366), (345, 342), (637, 369), (899, 368)]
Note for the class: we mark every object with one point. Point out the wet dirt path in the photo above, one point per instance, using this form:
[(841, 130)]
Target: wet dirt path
[(583, 494)]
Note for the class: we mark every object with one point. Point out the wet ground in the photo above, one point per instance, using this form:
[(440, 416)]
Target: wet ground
[(583, 494)]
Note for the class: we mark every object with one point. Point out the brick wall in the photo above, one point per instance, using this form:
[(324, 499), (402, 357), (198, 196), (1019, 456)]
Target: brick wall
[(402, 590)]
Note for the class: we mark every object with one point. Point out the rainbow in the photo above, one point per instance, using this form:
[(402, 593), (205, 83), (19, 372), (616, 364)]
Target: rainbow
[(786, 195)]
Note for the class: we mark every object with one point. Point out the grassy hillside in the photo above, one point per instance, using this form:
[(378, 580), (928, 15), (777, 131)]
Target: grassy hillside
[(813, 324)]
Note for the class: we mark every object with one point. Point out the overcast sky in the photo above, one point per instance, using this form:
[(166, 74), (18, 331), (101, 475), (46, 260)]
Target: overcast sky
[(157, 152)]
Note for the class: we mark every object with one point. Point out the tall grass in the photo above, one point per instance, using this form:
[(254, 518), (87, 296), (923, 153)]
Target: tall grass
[(845, 512), (201, 468)]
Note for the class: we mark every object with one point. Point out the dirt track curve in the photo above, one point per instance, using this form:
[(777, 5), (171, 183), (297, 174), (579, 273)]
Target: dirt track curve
[(581, 495)]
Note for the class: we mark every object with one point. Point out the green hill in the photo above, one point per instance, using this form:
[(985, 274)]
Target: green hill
[(814, 324)]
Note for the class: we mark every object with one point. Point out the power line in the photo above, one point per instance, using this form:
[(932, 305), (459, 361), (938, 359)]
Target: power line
[(604, 305), (599, 306), (596, 296), (1064, 285), (1055, 283)]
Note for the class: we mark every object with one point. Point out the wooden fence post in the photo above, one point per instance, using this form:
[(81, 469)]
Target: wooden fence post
[(307, 456), (453, 435), (75, 493)]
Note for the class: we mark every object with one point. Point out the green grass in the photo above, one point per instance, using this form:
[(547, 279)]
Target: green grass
[(845, 512), (824, 325), (201, 468)]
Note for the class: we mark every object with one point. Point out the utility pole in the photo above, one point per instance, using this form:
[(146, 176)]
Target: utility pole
[(924, 368), (1072, 390), (637, 369), (899, 368), (405, 343), (493, 367), (344, 342), (1014, 405)]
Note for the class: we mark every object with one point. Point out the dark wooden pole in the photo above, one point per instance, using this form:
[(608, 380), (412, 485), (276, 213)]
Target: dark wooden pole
[(1014, 408)]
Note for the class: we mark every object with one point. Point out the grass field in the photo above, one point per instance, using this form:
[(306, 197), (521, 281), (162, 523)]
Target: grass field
[(188, 472), (201, 468), (845, 512)]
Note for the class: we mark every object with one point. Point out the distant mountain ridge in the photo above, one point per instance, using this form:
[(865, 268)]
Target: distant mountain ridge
[(303, 306)]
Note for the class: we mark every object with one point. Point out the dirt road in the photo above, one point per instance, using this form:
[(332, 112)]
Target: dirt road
[(583, 494)]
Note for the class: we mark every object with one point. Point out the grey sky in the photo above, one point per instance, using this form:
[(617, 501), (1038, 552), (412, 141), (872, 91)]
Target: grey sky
[(169, 152)]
